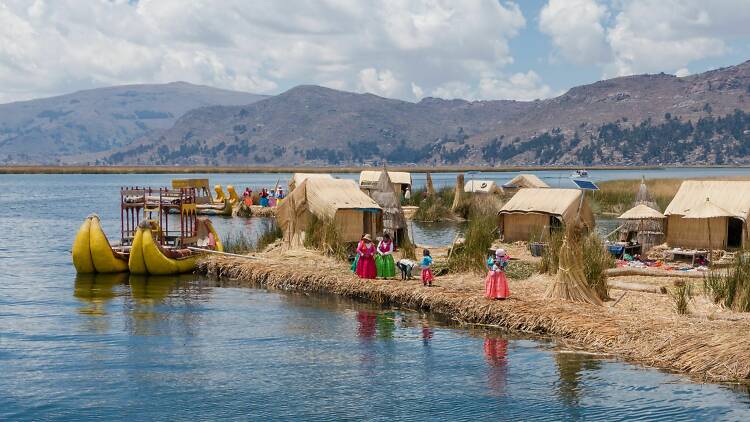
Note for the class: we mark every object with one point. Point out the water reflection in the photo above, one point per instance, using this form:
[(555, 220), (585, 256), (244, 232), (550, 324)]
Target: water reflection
[(496, 352), (96, 290), (366, 327), (570, 367)]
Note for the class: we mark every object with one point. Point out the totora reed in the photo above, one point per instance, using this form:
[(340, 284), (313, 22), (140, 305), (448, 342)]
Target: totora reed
[(704, 349)]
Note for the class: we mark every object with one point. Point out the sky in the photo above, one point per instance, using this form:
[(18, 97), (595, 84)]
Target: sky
[(406, 49)]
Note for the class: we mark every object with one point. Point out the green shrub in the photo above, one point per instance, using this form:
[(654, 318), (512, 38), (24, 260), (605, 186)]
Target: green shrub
[(481, 232), (323, 236), (596, 260), (551, 256), (681, 295), (237, 242), (732, 289), (270, 235)]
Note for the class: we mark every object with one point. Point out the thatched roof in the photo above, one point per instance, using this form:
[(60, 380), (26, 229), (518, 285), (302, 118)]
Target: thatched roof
[(732, 196), (708, 210), (389, 201), (323, 197), (482, 186), (298, 178), (641, 212), (526, 181), (371, 177), (562, 203)]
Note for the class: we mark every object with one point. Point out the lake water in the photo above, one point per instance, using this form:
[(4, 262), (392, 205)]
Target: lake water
[(183, 348)]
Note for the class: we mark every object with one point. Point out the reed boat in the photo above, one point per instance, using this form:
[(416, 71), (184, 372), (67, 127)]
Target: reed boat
[(148, 256), (92, 252), (147, 245), (205, 203)]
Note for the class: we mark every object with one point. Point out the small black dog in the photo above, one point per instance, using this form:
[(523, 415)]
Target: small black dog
[(406, 266)]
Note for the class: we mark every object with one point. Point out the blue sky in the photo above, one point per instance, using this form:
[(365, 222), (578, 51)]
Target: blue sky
[(407, 49)]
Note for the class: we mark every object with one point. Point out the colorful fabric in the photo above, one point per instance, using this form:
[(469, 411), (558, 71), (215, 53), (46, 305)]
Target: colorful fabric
[(263, 201), (426, 262), (386, 266), (496, 285), (366, 267), (427, 277), (354, 263)]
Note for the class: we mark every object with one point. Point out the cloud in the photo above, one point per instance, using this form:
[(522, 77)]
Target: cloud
[(664, 35), (382, 83), (644, 36), (383, 46), (575, 27), (519, 86)]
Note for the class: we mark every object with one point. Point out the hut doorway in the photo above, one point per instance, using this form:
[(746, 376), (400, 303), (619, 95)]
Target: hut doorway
[(734, 233), (555, 223)]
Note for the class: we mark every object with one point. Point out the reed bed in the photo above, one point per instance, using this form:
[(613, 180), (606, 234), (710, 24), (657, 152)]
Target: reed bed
[(617, 196), (708, 350), (731, 288), (481, 232)]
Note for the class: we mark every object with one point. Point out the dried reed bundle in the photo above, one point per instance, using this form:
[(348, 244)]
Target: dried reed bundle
[(459, 193), (570, 282)]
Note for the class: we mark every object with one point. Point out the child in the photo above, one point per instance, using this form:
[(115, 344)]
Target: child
[(496, 285), (426, 271)]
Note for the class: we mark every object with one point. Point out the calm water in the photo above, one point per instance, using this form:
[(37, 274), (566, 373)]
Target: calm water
[(135, 348)]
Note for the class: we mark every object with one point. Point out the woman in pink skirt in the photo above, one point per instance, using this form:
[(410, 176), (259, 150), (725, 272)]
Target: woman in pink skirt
[(366, 258), (496, 285)]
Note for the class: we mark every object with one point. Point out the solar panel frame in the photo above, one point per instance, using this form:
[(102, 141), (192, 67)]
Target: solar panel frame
[(585, 184)]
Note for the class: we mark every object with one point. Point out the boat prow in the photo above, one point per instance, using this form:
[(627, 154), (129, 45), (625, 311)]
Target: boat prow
[(92, 252), (147, 257)]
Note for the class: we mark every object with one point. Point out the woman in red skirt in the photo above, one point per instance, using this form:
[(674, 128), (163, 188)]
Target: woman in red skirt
[(366, 258), (496, 285)]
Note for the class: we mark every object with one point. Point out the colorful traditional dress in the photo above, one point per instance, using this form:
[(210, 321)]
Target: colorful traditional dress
[(496, 285), (426, 271), (356, 257), (366, 263), (384, 260)]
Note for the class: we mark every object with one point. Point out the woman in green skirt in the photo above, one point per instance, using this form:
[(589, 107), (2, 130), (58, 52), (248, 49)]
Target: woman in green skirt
[(384, 258)]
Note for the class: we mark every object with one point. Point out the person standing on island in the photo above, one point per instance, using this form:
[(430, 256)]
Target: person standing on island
[(384, 259), (496, 285), (366, 258), (426, 263)]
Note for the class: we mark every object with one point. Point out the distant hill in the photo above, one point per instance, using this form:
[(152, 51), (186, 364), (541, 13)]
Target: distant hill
[(55, 129), (644, 119)]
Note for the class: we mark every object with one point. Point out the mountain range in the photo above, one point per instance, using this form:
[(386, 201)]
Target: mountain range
[(642, 119)]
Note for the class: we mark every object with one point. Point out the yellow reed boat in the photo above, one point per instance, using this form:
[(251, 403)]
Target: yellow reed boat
[(147, 246), (149, 256), (92, 252)]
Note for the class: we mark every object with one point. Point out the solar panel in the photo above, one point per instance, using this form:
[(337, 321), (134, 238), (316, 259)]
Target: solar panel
[(585, 184)]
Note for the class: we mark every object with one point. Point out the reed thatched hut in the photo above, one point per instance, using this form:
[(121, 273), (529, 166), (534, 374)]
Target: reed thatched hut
[(532, 213), (368, 180), (524, 181), (352, 212), (384, 193), (724, 231), (298, 178), (482, 186)]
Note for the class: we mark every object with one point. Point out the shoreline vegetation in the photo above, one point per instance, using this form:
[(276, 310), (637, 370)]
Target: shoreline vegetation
[(82, 169)]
